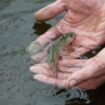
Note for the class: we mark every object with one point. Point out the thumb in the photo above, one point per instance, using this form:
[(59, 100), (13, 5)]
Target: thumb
[(50, 11), (81, 76)]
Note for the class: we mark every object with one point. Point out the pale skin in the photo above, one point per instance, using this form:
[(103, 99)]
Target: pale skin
[(87, 19)]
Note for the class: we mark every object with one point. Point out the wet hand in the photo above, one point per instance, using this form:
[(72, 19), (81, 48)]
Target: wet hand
[(84, 17), (86, 74), (87, 19)]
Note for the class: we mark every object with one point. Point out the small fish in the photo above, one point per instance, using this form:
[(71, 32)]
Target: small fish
[(56, 47)]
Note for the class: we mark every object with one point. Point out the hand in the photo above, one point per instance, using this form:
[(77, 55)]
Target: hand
[(84, 17), (86, 74)]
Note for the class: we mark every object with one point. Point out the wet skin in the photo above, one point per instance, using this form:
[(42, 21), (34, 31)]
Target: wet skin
[(87, 19)]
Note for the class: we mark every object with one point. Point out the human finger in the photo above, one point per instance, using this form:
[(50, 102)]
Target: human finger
[(89, 71), (42, 68), (46, 70), (69, 69), (40, 43), (72, 62), (50, 80), (41, 56), (78, 52), (50, 11)]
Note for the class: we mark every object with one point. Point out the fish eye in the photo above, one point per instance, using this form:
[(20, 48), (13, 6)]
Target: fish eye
[(72, 34)]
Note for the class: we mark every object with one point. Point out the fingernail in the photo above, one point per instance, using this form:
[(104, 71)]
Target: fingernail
[(73, 83), (31, 68), (35, 76)]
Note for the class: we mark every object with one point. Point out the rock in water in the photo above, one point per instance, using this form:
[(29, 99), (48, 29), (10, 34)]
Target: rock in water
[(77, 96)]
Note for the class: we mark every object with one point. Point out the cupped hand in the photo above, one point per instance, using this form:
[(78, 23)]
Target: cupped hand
[(84, 17), (82, 73)]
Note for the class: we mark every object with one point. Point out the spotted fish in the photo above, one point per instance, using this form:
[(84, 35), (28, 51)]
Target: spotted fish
[(56, 47)]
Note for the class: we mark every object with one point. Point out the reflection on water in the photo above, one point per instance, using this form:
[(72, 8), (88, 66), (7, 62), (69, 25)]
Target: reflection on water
[(74, 96), (77, 96), (17, 30), (93, 52), (41, 27)]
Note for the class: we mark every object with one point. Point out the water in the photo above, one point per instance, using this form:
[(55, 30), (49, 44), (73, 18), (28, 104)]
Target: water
[(17, 30)]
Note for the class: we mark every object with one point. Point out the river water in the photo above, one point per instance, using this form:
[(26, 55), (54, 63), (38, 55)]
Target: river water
[(17, 30)]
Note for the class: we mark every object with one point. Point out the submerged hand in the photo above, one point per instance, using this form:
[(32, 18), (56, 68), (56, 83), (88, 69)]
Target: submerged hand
[(86, 74)]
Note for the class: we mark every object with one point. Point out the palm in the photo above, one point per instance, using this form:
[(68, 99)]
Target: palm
[(87, 19), (87, 22)]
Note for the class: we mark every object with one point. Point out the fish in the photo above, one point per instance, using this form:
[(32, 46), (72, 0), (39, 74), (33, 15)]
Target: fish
[(56, 47)]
